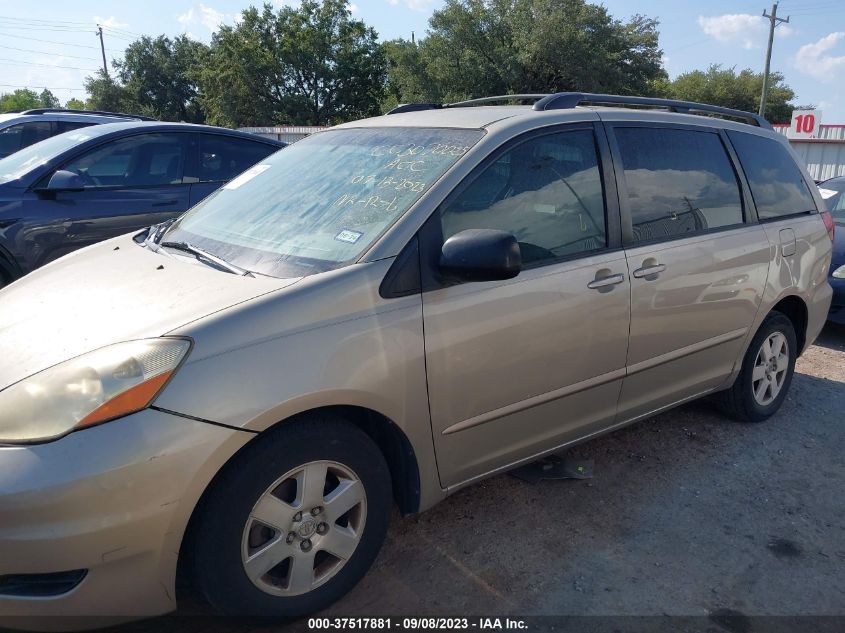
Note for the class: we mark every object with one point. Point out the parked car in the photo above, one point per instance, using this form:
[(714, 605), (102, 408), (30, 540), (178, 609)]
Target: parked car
[(22, 129), (88, 185), (833, 192), (386, 312)]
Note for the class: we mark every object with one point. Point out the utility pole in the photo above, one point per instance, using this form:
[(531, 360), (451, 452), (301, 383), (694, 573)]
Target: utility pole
[(103, 50), (774, 20)]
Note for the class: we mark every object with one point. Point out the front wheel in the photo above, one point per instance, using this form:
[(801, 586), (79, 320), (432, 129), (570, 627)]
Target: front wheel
[(766, 372), (294, 522)]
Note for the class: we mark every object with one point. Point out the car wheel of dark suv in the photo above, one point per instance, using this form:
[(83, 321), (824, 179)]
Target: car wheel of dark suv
[(766, 372)]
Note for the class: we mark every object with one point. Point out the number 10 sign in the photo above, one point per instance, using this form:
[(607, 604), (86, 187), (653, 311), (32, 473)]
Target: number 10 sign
[(805, 124)]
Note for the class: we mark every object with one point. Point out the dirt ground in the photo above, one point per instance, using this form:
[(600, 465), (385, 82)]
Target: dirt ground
[(688, 514)]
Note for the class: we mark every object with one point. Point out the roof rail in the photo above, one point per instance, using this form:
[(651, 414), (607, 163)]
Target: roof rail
[(416, 107), (566, 100), (121, 115)]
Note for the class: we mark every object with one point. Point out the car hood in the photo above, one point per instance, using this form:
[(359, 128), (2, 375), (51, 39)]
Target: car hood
[(107, 293)]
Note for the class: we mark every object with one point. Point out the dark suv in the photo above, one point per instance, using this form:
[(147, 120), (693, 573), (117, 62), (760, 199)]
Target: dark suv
[(87, 185), (22, 129)]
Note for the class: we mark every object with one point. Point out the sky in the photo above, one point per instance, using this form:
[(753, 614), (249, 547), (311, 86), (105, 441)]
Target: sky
[(53, 44)]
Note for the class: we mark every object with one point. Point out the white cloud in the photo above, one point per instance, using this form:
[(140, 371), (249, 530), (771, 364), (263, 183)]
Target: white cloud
[(353, 8), (414, 5), (209, 17), (110, 21), (815, 59), (740, 28)]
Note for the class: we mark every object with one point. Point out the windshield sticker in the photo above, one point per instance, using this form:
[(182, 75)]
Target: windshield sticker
[(827, 193), (245, 177), (348, 236)]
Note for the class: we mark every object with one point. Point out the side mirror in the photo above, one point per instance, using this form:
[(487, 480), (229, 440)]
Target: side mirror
[(64, 180), (481, 255)]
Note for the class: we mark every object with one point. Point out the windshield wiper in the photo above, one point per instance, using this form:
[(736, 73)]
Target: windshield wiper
[(200, 254), (156, 231)]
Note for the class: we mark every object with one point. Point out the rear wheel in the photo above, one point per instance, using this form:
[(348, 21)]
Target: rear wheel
[(294, 522), (766, 372)]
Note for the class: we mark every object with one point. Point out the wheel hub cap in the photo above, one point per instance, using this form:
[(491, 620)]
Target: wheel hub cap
[(770, 366), (304, 528)]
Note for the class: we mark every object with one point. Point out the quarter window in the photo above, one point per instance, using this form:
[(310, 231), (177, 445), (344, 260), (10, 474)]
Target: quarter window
[(547, 191), (776, 183), (679, 182)]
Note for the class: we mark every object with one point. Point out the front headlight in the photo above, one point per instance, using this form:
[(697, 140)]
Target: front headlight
[(96, 387), (839, 273)]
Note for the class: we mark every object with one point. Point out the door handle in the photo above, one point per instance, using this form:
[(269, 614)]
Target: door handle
[(648, 271), (604, 282)]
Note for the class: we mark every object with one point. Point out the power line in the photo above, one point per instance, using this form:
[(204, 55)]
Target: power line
[(29, 50), (38, 20), (44, 87), (36, 39), (22, 63)]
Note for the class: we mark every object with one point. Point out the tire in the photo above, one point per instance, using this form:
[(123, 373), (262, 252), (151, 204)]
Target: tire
[(229, 539), (743, 401)]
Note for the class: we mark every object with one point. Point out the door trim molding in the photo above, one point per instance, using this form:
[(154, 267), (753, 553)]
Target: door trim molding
[(534, 401), (686, 351)]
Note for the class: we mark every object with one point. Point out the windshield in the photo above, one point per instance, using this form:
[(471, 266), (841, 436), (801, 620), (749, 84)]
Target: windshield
[(319, 203), (832, 193), (16, 165)]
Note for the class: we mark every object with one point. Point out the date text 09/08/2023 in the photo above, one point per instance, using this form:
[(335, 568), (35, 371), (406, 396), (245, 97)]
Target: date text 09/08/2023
[(424, 623)]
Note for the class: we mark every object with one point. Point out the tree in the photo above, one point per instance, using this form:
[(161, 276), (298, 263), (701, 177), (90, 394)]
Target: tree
[(312, 64), (21, 99), (74, 104), (105, 93), (487, 47), (726, 87), (157, 75), (48, 100)]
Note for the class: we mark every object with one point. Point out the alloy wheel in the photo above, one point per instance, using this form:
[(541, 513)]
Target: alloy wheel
[(770, 368)]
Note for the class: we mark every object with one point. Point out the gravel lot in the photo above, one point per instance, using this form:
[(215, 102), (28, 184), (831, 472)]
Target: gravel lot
[(688, 514)]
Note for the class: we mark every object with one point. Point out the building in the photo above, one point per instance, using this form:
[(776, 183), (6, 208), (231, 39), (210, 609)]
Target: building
[(285, 133), (825, 155)]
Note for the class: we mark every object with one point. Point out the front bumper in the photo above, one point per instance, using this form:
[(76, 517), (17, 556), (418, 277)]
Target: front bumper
[(114, 500)]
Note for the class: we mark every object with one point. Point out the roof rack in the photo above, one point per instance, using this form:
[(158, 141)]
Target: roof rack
[(121, 115), (568, 100)]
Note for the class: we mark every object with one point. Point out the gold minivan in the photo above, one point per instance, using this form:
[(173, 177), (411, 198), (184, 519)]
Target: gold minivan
[(384, 313)]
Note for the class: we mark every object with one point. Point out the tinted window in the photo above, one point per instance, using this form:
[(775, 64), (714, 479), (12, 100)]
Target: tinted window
[(775, 180), (66, 126), (223, 158), (136, 161), (10, 139), (546, 191), (22, 135), (678, 182)]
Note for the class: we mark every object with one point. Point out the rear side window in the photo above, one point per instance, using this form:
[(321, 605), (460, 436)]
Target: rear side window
[(23, 135), (222, 158), (67, 126), (775, 180), (679, 182), (547, 191)]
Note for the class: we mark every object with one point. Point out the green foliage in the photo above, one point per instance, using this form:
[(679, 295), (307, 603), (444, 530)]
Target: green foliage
[(488, 47), (156, 76), (48, 100), (726, 87), (21, 99), (312, 64), (75, 104), (105, 93)]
